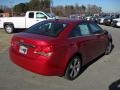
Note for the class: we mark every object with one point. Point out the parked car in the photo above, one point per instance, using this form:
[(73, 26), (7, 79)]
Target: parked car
[(109, 19), (88, 18), (95, 18), (10, 24), (59, 47), (115, 22), (101, 19), (75, 17)]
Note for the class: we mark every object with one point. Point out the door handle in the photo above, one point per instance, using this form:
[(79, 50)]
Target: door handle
[(85, 44), (71, 44), (100, 36)]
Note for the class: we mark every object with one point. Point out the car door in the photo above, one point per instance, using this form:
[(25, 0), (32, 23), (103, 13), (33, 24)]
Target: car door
[(100, 40), (34, 17), (30, 19), (84, 41), (40, 17)]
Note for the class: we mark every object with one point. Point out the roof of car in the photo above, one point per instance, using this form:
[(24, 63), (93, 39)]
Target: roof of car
[(67, 20)]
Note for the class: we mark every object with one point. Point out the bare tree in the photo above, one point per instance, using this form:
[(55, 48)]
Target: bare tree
[(93, 9)]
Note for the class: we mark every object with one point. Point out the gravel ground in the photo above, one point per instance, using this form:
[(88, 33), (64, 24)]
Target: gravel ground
[(104, 74), (4, 40)]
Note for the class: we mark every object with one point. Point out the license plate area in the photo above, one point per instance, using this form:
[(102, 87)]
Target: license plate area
[(23, 49)]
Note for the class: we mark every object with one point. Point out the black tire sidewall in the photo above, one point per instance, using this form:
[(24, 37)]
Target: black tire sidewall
[(11, 28), (106, 52)]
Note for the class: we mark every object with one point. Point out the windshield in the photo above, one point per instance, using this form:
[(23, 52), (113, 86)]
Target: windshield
[(51, 15), (108, 17), (47, 28)]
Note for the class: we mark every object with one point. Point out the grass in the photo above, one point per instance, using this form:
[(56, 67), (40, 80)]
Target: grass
[(4, 40)]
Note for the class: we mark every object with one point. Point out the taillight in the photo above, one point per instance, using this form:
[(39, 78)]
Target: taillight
[(14, 43), (44, 50)]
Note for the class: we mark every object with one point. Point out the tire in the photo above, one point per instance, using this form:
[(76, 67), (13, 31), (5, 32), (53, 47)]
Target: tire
[(113, 24), (74, 68), (109, 48), (9, 28)]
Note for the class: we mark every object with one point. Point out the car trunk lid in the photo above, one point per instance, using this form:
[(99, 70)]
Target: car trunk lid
[(32, 45)]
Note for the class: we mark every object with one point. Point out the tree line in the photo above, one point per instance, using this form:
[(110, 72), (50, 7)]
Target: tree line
[(4, 8), (47, 6), (76, 9), (36, 5)]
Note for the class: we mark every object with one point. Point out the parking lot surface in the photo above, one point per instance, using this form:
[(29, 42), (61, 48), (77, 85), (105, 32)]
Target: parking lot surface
[(4, 40), (104, 74)]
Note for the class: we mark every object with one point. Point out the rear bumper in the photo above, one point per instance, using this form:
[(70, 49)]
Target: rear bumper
[(101, 21), (43, 67), (115, 24), (118, 24), (107, 23)]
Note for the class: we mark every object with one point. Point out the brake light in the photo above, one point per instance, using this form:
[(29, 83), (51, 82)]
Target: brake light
[(48, 49), (13, 42), (44, 51)]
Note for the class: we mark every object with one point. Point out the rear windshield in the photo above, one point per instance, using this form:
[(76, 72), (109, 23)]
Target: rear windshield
[(46, 28)]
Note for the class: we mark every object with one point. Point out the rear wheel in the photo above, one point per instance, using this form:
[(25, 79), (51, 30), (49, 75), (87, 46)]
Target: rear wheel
[(109, 48), (74, 68), (113, 24), (9, 28)]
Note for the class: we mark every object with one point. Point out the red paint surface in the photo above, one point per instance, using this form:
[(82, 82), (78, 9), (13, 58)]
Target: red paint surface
[(62, 47)]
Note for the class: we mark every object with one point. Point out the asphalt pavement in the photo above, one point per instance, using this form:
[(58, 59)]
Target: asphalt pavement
[(104, 74)]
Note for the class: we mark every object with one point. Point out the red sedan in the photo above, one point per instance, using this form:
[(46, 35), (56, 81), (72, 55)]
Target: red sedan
[(59, 47)]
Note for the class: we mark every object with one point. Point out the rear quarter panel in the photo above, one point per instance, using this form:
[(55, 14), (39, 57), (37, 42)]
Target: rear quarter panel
[(63, 53)]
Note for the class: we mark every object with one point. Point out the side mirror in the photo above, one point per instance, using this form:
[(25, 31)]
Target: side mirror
[(105, 31), (46, 17)]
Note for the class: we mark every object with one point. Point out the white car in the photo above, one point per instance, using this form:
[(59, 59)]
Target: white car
[(10, 24), (101, 20), (116, 22), (88, 18)]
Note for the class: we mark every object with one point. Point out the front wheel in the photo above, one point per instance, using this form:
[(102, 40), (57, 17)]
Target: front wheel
[(9, 29), (74, 68), (109, 48)]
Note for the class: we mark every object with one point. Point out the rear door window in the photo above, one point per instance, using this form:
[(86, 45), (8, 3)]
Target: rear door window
[(75, 32), (31, 15), (95, 28), (84, 29), (80, 30)]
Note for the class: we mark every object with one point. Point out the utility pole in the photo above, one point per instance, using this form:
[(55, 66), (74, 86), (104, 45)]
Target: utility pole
[(11, 5), (51, 5)]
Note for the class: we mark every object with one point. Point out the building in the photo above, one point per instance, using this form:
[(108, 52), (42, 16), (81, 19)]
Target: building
[(5, 14)]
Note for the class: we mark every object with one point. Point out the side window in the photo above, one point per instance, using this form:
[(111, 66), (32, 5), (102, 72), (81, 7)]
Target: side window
[(31, 15), (80, 30), (75, 32), (40, 15), (84, 29), (95, 28)]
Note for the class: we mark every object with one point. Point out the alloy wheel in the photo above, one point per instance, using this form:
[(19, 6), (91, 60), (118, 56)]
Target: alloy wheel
[(109, 48), (74, 68)]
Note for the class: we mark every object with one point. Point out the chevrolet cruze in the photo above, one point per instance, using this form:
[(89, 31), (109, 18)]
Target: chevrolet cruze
[(59, 47)]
